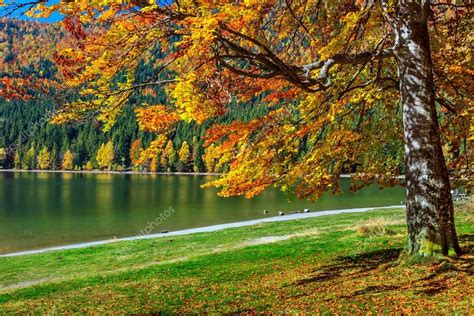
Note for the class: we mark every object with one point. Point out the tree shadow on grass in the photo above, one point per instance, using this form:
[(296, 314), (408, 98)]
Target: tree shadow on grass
[(373, 289), (433, 287), (358, 264)]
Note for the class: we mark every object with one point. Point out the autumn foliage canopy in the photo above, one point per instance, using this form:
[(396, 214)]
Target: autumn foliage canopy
[(324, 70)]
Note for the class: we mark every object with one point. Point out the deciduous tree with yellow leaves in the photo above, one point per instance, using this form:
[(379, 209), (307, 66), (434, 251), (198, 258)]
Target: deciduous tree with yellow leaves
[(211, 158), (89, 166), (29, 159), (169, 154), (105, 155), (154, 164), (358, 83), (68, 160), (3, 154), (17, 160), (44, 159), (184, 155)]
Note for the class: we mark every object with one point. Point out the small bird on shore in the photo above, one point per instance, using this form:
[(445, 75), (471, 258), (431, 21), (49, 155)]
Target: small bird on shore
[(281, 213), (306, 210), (265, 212)]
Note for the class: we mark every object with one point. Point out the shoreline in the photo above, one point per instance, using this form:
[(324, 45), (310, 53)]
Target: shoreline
[(343, 176), (110, 172), (205, 229)]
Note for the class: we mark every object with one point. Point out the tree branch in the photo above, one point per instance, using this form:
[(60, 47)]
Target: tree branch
[(324, 66)]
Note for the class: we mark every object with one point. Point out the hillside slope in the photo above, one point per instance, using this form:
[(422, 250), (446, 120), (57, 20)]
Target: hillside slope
[(27, 49)]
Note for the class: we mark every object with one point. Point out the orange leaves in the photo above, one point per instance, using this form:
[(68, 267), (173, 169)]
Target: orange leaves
[(278, 96), (226, 52), (156, 118), (13, 88), (197, 99), (135, 152), (75, 28), (454, 81), (22, 54), (70, 62), (230, 134), (22, 88), (153, 149)]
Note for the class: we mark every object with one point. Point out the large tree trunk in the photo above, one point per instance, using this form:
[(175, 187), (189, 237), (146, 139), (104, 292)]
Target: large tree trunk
[(430, 212)]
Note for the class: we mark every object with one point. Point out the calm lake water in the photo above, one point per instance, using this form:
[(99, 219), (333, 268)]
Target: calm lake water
[(48, 209)]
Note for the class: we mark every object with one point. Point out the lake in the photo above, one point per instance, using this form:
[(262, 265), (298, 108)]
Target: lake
[(49, 209)]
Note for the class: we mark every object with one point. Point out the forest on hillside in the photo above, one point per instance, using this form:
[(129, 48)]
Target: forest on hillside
[(29, 141)]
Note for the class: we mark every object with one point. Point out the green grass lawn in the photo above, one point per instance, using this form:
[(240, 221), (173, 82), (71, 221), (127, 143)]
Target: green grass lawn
[(322, 264)]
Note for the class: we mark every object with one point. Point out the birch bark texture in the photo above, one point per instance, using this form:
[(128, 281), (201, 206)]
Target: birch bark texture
[(430, 211)]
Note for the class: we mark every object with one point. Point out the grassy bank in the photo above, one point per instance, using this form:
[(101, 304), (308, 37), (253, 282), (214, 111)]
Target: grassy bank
[(339, 263)]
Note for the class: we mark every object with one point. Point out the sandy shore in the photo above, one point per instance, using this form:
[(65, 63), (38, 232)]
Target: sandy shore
[(206, 229)]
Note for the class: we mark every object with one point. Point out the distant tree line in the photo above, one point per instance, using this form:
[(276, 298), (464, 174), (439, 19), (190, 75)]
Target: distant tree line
[(28, 141)]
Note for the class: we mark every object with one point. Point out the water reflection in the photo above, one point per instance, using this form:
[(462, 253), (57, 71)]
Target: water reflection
[(46, 209)]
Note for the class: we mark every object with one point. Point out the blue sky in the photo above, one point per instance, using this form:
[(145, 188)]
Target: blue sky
[(55, 17)]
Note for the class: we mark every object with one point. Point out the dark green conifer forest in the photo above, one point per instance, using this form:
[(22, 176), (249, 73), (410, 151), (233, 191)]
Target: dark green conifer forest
[(26, 131)]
